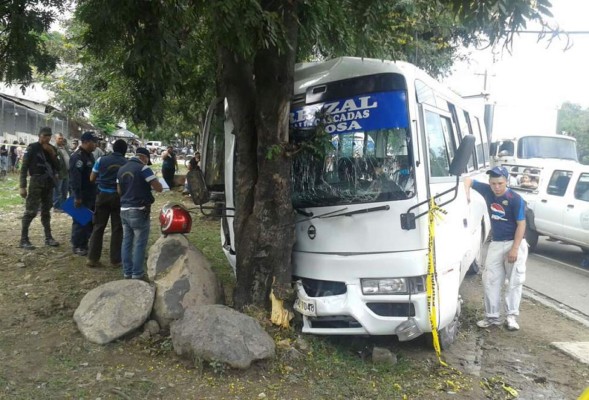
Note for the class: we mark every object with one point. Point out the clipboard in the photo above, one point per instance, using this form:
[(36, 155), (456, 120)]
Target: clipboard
[(82, 215)]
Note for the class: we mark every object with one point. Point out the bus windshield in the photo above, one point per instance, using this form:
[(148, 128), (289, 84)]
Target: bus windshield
[(353, 150), (546, 147)]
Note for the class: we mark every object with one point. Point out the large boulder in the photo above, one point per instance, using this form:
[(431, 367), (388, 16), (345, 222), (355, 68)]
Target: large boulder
[(183, 278), (219, 333), (114, 309)]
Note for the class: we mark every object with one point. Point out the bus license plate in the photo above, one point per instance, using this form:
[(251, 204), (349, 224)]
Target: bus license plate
[(306, 307)]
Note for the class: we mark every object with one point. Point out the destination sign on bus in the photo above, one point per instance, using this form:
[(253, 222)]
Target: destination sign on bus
[(356, 114)]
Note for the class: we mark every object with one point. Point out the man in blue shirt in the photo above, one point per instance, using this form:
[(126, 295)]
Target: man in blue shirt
[(108, 204), (135, 181), (508, 251)]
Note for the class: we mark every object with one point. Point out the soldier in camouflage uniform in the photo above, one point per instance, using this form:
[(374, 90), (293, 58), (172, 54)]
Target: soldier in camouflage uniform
[(40, 163)]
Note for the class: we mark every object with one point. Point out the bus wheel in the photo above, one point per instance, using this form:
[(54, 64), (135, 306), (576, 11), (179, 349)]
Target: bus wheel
[(449, 333), (531, 238)]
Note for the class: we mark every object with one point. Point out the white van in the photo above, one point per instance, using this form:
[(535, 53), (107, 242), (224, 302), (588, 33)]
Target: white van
[(155, 147)]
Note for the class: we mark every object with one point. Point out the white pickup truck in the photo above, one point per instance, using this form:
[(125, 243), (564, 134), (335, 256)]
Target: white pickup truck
[(559, 208)]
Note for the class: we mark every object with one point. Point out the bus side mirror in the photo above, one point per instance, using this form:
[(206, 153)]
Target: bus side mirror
[(197, 187), (462, 156)]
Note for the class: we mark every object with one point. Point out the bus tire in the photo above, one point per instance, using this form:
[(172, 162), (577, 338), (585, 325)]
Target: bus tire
[(531, 238), (448, 335)]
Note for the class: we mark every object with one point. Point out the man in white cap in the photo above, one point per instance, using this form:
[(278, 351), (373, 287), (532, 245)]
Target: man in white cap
[(508, 251)]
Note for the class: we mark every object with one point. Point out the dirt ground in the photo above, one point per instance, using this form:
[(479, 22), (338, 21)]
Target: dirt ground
[(43, 356)]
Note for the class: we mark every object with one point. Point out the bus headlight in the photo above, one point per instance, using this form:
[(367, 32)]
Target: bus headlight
[(393, 285)]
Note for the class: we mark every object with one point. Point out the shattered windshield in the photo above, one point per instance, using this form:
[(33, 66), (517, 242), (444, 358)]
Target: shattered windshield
[(355, 150)]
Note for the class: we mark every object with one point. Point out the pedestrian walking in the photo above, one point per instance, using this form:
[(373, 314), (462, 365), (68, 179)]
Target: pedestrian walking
[(60, 192), (135, 181), (40, 163), (12, 155), (508, 251), (4, 158), (83, 191), (169, 166), (108, 205)]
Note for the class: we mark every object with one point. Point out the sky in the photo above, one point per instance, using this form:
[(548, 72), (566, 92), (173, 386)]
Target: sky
[(529, 84)]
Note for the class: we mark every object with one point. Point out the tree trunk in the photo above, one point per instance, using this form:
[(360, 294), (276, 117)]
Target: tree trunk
[(259, 108)]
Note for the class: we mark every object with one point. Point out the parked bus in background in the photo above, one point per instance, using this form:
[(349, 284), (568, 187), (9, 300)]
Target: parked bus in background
[(389, 134)]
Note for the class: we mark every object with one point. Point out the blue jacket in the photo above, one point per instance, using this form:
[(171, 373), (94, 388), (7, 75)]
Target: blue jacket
[(135, 178)]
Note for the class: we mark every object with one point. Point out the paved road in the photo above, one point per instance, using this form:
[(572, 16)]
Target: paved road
[(553, 272)]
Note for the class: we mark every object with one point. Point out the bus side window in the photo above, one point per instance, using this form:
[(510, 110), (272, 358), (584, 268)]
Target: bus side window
[(484, 140), (479, 150), (439, 162)]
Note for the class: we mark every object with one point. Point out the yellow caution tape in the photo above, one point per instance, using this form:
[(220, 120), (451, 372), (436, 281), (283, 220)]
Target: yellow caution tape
[(492, 384), (279, 316), (434, 213), (584, 395)]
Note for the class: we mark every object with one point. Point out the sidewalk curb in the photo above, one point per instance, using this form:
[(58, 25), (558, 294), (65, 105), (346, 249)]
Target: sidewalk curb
[(556, 305)]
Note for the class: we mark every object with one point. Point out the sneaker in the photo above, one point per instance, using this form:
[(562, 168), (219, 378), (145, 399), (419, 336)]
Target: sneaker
[(51, 242), (94, 264), (511, 323), (488, 322), (127, 276), (80, 252), (25, 244)]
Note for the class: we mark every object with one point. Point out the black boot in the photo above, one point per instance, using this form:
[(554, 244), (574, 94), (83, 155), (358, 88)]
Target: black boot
[(49, 241), (46, 221), (26, 244), (24, 235)]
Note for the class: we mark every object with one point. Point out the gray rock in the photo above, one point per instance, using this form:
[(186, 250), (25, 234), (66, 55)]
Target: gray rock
[(380, 355), (114, 309), (219, 333), (183, 278), (152, 327)]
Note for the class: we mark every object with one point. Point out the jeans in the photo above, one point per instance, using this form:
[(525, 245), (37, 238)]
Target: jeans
[(60, 193), (107, 205), (135, 235)]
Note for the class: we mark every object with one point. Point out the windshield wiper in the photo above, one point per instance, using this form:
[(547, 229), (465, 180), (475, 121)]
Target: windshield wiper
[(303, 212), (361, 211), (322, 215)]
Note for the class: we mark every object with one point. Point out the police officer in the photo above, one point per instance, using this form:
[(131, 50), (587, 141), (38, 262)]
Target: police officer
[(40, 163), (108, 204), (83, 190)]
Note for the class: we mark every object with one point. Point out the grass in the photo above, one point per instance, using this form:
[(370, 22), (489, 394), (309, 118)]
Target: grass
[(9, 192)]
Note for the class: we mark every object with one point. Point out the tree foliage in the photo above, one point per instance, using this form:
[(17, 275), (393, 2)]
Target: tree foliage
[(573, 120), (23, 25)]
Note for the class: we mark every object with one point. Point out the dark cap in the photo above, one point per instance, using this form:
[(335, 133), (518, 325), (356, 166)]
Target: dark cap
[(145, 152), (496, 172), (89, 137)]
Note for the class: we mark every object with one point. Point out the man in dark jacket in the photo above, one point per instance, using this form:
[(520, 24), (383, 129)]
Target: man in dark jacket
[(83, 191), (40, 163), (108, 204), (169, 166), (135, 181)]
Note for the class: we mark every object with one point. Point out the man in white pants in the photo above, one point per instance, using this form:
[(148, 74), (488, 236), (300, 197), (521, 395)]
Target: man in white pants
[(507, 254)]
